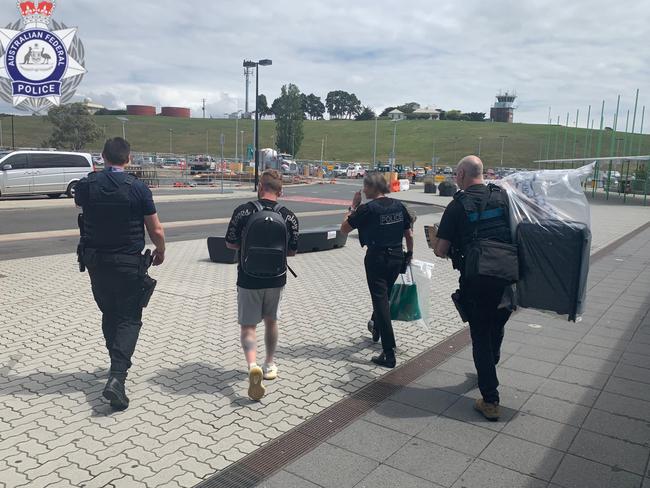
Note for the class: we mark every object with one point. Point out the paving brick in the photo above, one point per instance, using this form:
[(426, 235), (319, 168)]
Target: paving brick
[(627, 407), (430, 461), (623, 428), (613, 452), (523, 456), (450, 382), (519, 380), (576, 472), (113, 477), (369, 440), (541, 431), (284, 479), (387, 477), (634, 373), (430, 399), (569, 392), (482, 474), (580, 377), (553, 409), (399, 417), (332, 467), (454, 434), (633, 389)]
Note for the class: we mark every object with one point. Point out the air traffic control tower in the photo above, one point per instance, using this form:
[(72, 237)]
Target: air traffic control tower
[(504, 109)]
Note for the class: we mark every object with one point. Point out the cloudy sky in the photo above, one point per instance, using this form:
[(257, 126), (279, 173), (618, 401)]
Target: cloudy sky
[(447, 53)]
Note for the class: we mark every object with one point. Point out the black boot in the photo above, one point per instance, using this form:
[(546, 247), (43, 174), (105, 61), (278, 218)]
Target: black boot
[(115, 393), (373, 330), (385, 359)]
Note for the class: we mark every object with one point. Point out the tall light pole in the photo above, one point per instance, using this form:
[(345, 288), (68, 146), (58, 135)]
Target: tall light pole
[(392, 155), (242, 145), (503, 140), (322, 149), (124, 120), (374, 147), (256, 65), (237, 135), (171, 141)]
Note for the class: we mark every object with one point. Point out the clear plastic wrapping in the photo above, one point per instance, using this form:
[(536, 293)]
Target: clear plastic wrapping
[(551, 224), (555, 195)]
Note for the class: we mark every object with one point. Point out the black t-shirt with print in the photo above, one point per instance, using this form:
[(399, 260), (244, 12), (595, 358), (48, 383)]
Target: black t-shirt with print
[(234, 236)]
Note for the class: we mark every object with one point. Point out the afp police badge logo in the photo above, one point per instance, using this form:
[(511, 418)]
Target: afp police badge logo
[(41, 67)]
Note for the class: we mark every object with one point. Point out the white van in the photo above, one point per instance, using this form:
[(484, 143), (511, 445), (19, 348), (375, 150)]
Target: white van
[(51, 173)]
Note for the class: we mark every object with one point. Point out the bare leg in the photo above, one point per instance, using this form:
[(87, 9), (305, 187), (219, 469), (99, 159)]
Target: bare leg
[(249, 343), (270, 338)]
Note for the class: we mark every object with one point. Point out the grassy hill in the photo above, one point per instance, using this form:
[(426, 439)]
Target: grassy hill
[(342, 140)]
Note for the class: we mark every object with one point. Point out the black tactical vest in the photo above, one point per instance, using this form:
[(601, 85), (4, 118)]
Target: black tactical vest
[(386, 227), (494, 221), (108, 221)]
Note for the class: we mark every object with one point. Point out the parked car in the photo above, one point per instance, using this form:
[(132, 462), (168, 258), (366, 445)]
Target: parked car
[(50, 173), (339, 171)]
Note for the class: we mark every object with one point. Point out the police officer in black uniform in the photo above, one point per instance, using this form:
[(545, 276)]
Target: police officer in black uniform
[(478, 211), (116, 208), (383, 223)]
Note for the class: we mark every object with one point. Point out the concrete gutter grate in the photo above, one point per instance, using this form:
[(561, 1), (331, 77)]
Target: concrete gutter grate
[(270, 458)]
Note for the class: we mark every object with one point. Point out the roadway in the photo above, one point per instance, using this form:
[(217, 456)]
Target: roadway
[(49, 227)]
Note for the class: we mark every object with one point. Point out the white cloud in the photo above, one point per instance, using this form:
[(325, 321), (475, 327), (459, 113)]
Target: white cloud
[(452, 54)]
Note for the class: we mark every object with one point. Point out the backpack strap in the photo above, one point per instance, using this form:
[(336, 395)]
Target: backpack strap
[(129, 179), (277, 207), (258, 206)]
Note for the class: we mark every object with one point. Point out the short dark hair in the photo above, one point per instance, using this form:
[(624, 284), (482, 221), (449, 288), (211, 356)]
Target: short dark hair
[(271, 181), (377, 182), (117, 150)]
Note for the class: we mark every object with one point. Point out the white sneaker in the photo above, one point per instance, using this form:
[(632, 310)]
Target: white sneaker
[(256, 389), (270, 371)]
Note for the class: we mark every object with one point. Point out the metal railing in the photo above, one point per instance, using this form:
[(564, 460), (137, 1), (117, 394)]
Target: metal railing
[(622, 177)]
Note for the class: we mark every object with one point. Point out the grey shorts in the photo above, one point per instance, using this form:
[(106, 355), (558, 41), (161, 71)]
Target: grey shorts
[(255, 305)]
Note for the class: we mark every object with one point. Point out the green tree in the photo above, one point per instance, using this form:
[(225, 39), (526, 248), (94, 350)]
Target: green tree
[(453, 115), (263, 106), (337, 103), (74, 127), (352, 106), (366, 114), (409, 108), (289, 115), (474, 116), (313, 106)]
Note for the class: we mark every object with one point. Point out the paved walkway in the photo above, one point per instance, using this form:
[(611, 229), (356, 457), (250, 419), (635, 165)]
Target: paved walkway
[(189, 415), (575, 397)]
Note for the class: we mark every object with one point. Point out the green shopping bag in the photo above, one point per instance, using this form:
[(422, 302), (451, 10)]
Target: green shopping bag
[(404, 304)]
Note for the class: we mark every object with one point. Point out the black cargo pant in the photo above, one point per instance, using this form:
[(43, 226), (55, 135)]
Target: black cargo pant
[(382, 269), (117, 290), (480, 300)]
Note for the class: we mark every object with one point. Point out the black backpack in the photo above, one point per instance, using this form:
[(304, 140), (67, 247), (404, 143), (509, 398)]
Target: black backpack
[(486, 258), (265, 243)]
